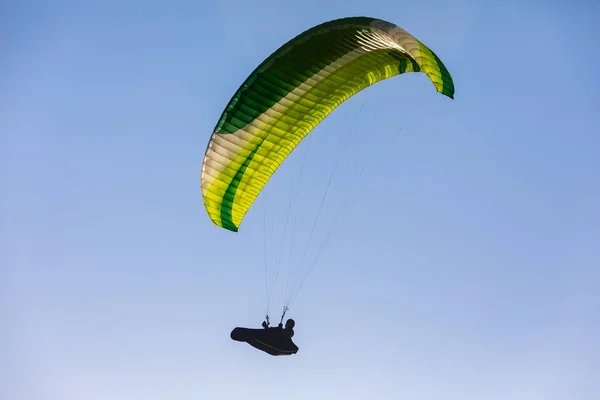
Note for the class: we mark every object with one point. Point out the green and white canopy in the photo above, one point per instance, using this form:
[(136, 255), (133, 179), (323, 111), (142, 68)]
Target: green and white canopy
[(291, 92)]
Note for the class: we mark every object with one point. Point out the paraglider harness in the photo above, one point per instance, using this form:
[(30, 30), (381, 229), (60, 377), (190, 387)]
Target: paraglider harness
[(270, 340)]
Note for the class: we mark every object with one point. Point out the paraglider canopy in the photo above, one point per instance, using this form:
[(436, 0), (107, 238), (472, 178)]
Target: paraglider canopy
[(291, 92)]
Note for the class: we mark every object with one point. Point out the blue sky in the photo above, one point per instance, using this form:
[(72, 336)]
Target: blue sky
[(467, 266)]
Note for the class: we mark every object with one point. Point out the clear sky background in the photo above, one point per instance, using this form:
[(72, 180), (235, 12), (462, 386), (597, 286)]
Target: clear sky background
[(466, 268)]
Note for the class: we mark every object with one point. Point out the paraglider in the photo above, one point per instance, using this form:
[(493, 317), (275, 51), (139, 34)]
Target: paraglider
[(284, 99), (276, 341)]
